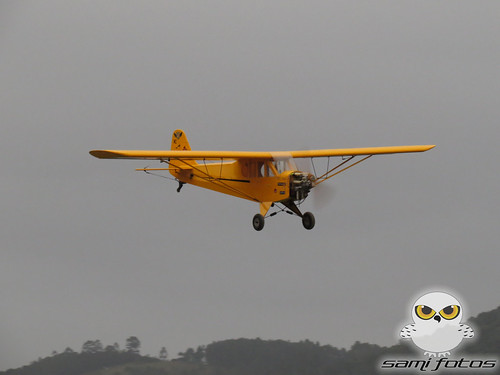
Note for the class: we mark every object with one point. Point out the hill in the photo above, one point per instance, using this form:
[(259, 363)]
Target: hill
[(251, 356), (72, 363)]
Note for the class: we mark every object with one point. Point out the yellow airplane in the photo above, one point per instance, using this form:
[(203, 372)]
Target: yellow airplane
[(268, 178)]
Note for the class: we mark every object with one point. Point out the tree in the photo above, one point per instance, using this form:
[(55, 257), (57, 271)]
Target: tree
[(192, 356), (92, 346), (163, 354), (133, 345), (110, 349)]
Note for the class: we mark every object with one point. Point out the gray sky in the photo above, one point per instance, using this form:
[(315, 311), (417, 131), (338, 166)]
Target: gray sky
[(91, 249)]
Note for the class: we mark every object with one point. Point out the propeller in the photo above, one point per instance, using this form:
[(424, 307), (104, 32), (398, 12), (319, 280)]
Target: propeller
[(322, 194)]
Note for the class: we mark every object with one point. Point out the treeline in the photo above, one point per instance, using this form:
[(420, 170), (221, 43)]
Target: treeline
[(278, 357), (229, 357), (248, 356), (93, 356), (487, 327)]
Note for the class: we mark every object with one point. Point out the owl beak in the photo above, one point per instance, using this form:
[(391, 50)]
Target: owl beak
[(437, 318)]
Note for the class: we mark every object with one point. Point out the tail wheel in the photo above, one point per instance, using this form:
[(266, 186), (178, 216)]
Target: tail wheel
[(308, 220), (258, 222)]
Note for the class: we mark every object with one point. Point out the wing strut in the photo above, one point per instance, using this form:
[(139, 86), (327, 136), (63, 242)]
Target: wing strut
[(327, 175)]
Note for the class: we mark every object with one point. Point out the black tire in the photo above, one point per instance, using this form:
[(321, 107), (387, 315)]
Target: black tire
[(308, 220), (258, 222)]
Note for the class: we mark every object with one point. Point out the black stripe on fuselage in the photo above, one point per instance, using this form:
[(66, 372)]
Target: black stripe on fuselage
[(231, 179)]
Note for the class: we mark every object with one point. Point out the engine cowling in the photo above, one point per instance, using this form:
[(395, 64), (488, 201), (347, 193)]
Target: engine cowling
[(301, 184)]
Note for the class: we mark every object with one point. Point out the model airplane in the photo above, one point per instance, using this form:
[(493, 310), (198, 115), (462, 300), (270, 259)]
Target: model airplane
[(268, 178)]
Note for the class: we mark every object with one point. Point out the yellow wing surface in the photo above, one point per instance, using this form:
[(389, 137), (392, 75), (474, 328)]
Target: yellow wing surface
[(260, 155)]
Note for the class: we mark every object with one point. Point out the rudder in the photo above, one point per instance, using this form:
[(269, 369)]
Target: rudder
[(179, 141)]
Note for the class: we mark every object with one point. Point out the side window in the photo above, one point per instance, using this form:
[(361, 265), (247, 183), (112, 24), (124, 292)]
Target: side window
[(280, 166), (254, 168), (245, 168), (261, 169), (250, 168), (267, 169)]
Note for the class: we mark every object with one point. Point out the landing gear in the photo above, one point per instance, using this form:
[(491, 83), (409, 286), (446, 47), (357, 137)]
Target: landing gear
[(181, 184), (308, 220), (258, 222)]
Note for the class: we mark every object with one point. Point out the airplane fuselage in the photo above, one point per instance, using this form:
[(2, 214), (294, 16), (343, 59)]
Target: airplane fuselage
[(259, 181)]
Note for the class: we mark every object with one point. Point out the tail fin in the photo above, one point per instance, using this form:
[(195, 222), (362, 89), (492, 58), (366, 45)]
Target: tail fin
[(179, 141)]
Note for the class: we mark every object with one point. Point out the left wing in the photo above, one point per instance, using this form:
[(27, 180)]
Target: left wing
[(260, 155)]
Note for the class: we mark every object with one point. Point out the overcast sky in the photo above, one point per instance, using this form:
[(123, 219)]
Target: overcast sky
[(91, 249)]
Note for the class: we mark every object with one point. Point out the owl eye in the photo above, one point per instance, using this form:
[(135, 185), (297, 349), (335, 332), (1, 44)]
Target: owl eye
[(450, 312), (424, 312)]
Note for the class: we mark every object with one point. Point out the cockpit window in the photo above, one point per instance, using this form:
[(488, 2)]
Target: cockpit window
[(266, 170), (280, 166)]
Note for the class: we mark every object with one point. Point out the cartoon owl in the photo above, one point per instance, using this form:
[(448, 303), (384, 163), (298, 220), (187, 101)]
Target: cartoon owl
[(437, 328)]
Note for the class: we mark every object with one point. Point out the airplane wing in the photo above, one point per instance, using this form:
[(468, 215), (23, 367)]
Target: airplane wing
[(261, 155)]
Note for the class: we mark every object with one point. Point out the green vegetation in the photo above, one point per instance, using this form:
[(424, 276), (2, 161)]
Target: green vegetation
[(245, 357), (93, 356), (487, 328)]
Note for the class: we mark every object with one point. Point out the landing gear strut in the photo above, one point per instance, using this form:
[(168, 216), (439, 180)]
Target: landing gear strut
[(308, 220), (181, 184)]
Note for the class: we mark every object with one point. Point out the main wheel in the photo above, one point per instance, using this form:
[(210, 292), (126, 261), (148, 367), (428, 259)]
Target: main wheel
[(308, 220), (258, 222)]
